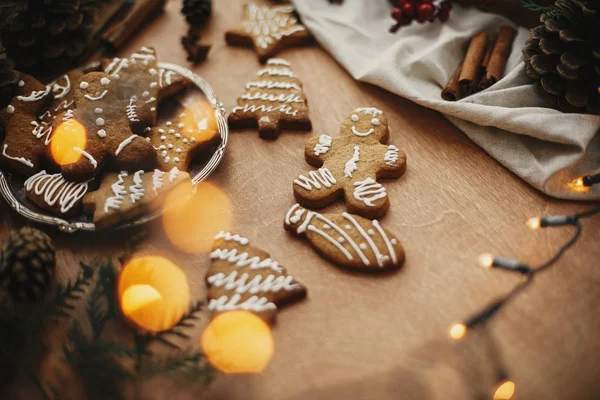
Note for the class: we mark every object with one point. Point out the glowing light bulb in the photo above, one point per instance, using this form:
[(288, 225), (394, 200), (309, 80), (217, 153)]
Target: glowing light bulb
[(534, 223), (504, 391), (458, 331), (486, 260), (578, 185)]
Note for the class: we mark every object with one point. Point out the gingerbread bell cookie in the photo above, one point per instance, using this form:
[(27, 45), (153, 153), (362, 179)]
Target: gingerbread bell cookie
[(53, 193), (24, 146), (126, 195), (274, 101), (143, 84), (101, 116), (348, 240), (268, 29), (350, 166), (243, 277)]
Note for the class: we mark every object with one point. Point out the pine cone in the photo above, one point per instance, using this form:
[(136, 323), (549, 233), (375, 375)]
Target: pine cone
[(563, 55), (197, 12), (47, 35), (8, 81), (27, 262)]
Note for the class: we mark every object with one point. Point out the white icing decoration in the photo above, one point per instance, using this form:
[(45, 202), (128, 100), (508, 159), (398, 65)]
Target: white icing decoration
[(146, 58), (137, 189), (171, 130), (281, 98), (22, 160), (351, 163), (278, 61), (262, 108), (180, 125), (104, 81), (272, 85), (391, 156), (169, 123), (368, 191), (316, 178), (229, 237), (268, 24), (340, 239), (99, 97), (21, 83), (394, 241), (101, 133), (388, 242), (244, 260), (276, 72), (41, 130), (83, 85), (325, 226), (63, 90), (119, 191), (153, 85), (362, 134), (257, 284), (131, 114), (176, 160), (98, 110), (173, 174), (371, 232), (152, 109), (124, 144), (119, 63), (35, 95), (87, 155), (369, 111), (363, 246), (68, 115), (152, 71), (375, 121), (163, 138), (147, 49), (354, 118), (146, 94), (64, 105), (330, 240), (376, 251), (56, 189), (157, 180), (254, 304), (10, 109), (99, 121)]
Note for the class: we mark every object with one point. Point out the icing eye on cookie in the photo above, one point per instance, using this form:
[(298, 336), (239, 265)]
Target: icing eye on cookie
[(375, 121), (354, 118)]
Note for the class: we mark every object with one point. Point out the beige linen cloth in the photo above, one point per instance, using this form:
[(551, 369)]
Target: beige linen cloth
[(509, 120)]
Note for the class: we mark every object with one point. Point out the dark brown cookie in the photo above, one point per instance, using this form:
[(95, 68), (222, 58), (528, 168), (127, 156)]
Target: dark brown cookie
[(53, 193)]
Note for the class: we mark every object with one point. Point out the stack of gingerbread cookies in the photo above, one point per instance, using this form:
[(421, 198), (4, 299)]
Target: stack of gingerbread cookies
[(99, 131)]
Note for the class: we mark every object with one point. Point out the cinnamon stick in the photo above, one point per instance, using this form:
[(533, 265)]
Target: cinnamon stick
[(476, 86), (499, 57), (140, 13), (472, 61), (452, 90)]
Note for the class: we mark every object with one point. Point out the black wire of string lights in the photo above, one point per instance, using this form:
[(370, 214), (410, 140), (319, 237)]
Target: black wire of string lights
[(506, 388), (584, 183)]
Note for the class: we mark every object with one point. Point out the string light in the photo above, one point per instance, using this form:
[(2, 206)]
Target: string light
[(506, 388), (584, 183)]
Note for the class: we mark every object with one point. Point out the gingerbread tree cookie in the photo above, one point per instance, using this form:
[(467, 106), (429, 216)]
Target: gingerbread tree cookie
[(24, 145), (143, 84), (242, 277), (108, 137), (347, 240), (272, 102), (350, 166), (268, 29), (124, 196), (178, 143)]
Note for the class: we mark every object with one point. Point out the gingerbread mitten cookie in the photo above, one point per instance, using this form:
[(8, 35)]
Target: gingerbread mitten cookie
[(143, 84), (347, 240), (24, 145), (268, 29), (124, 196), (106, 128), (178, 143), (55, 194), (272, 102), (350, 166), (242, 277)]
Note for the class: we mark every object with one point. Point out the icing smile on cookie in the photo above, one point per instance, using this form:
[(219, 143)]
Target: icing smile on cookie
[(358, 133)]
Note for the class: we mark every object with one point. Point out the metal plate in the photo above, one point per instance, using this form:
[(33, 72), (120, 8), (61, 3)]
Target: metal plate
[(11, 186)]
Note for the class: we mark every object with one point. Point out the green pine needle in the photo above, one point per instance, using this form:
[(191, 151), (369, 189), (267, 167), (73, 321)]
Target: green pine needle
[(187, 321), (531, 5)]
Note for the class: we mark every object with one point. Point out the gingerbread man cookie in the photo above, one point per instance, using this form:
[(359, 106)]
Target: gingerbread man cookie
[(272, 102), (178, 143), (350, 166), (125, 195), (347, 240), (242, 277), (106, 128), (143, 84), (24, 146), (268, 29), (54, 194)]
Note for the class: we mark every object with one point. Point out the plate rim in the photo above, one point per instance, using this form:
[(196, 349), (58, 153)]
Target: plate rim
[(210, 166)]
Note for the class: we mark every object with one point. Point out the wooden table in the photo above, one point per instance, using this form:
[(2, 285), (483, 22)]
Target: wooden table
[(385, 337)]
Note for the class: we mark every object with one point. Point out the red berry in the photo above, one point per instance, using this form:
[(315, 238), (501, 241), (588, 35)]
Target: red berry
[(425, 12), (408, 9), (397, 14)]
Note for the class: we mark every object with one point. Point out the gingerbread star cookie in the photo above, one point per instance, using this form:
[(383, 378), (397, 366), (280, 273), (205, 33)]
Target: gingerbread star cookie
[(101, 116), (350, 166), (268, 29), (273, 101), (243, 277), (347, 240), (143, 84), (24, 145), (55, 194), (127, 195)]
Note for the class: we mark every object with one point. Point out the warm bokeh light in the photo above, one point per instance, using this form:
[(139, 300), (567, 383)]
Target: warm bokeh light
[(533, 223), (153, 293), (486, 260), (193, 218), (578, 185), (505, 391), (458, 331), (238, 342), (199, 121), (68, 140)]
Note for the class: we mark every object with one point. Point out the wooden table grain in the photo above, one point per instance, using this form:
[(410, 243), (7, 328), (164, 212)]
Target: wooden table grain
[(384, 337)]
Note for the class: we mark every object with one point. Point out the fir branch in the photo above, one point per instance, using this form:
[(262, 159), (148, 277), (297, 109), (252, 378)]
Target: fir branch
[(531, 5), (60, 305), (131, 244), (193, 367), (187, 321), (101, 305)]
